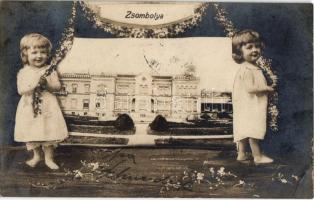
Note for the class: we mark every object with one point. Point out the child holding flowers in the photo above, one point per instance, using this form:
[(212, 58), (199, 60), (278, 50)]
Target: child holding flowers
[(250, 96), (47, 128)]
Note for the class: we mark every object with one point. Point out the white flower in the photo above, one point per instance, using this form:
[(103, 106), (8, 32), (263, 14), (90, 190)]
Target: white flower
[(284, 180), (295, 177), (241, 183), (206, 162), (212, 170), (95, 166), (221, 171), (78, 174), (200, 176)]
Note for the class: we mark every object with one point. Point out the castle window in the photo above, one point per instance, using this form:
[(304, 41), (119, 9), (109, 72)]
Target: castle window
[(133, 105), (87, 88), (123, 88), (74, 88), (195, 106), (85, 103), (64, 87), (100, 102)]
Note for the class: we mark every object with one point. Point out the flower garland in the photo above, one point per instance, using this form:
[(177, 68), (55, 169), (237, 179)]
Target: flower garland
[(222, 19), (64, 46), (263, 63), (168, 30)]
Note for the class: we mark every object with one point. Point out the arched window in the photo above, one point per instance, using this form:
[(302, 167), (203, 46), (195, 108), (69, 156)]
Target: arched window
[(100, 103)]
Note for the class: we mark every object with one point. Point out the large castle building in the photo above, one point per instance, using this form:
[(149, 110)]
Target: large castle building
[(143, 78), (142, 96)]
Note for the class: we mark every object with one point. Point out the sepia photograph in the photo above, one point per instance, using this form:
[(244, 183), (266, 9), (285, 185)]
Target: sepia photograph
[(156, 99), (154, 81)]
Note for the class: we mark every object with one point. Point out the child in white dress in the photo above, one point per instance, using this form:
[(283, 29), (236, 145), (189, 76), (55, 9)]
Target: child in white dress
[(250, 96), (47, 128)]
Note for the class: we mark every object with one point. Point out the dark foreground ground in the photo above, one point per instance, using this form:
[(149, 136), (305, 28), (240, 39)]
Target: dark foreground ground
[(152, 172)]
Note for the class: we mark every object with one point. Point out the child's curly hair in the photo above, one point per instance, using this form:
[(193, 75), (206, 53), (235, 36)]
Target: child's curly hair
[(241, 38), (33, 40)]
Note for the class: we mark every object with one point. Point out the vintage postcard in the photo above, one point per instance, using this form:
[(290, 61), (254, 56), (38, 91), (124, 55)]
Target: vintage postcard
[(156, 99)]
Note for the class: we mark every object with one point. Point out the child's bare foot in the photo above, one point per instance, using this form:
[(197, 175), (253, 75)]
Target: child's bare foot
[(242, 157), (36, 158), (263, 159), (51, 164), (33, 162), (48, 151)]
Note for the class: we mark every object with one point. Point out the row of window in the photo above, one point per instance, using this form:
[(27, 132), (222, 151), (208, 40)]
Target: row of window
[(102, 89), (186, 93), (162, 90), (124, 89), (186, 87), (74, 88), (161, 106), (216, 107), (85, 113), (85, 103), (123, 103)]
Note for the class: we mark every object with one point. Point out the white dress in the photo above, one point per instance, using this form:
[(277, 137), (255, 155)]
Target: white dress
[(49, 126), (249, 103)]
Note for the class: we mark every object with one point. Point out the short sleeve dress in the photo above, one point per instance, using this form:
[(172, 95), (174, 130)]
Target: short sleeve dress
[(249, 103), (49, 126)]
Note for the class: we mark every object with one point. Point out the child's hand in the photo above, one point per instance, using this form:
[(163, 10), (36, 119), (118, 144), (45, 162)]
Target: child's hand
[(42, 82), (270, 89)]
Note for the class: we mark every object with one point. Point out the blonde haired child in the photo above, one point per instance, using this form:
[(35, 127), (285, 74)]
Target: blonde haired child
[(48, 128), (250, 96)]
